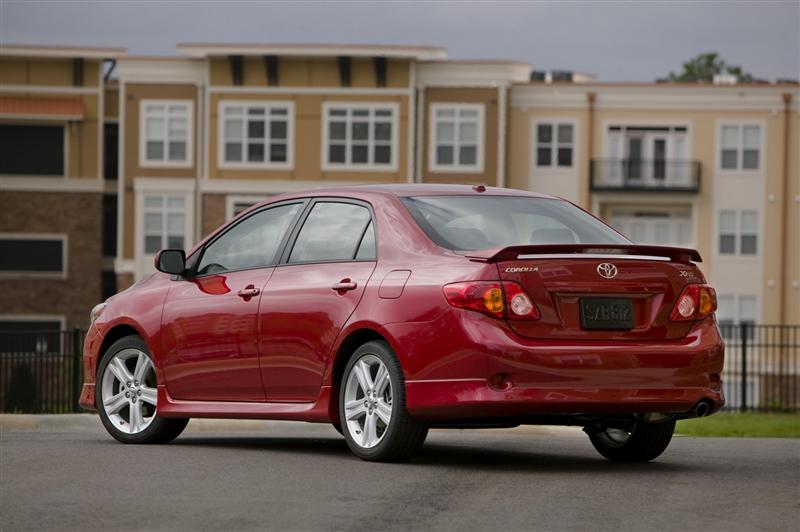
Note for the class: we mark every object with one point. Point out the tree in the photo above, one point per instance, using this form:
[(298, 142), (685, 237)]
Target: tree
[(705, 66)]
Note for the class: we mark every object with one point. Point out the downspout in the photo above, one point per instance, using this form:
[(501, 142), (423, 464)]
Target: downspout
[(590, 99), (784, 285)]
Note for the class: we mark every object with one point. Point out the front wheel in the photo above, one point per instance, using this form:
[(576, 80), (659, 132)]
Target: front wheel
[(372, 407), (127, 397), (642, 443)]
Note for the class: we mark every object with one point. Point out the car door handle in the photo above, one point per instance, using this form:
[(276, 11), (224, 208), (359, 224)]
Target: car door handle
[(248, 291), (344, 285)]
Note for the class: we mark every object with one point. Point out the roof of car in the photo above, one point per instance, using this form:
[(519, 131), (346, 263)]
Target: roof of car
[(420, 189)]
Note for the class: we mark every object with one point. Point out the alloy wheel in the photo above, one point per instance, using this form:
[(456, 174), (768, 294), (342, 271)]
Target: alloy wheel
[(368, 401), (129, 392)]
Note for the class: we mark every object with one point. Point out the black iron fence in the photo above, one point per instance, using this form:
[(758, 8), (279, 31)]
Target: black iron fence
[(40, 372)]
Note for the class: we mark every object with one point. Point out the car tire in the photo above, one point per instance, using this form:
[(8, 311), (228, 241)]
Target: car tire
[(403, 435), (108, 387), (645, 442)]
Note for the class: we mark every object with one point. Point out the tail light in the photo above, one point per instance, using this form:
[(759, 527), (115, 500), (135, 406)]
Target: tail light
[(498, 299), (695, 302)]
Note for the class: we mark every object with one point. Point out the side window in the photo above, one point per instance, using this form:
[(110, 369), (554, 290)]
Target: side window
[(367, 250), (252, 243), (331, 232)]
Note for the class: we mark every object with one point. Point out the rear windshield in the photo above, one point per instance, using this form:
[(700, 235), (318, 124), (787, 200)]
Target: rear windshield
[(464, 223)]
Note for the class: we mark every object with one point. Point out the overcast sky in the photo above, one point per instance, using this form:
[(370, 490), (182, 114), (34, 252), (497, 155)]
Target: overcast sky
[(617, 41)]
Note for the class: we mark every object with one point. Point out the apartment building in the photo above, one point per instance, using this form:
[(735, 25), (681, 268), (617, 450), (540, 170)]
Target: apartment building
[(57, 199), (208, 132)]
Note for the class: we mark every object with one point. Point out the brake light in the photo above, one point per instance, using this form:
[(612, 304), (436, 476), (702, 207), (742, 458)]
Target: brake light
[(695, 302), (493, 298)]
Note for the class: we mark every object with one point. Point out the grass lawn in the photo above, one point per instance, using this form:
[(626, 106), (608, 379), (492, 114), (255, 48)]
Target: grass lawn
[(742, 425)]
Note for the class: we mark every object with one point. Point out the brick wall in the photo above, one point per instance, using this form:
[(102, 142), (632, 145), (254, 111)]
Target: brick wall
[(79, 216)]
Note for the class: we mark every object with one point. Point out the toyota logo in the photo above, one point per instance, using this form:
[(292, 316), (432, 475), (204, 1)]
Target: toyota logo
[(607, 270)]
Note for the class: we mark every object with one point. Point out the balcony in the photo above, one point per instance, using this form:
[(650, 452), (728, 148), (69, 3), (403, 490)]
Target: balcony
[(644, 175)]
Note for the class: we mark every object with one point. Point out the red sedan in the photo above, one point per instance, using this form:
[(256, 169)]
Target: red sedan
[(389, 309)]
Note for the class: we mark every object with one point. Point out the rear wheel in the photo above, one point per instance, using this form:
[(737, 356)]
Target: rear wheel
[(643, 442), (127, 397), (372, 407)]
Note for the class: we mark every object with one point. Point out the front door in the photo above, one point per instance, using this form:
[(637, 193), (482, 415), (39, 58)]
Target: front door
[(311, 295), (210, 320)]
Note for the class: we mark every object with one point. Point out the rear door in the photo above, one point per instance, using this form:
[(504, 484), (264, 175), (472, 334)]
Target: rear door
[(311, 295)]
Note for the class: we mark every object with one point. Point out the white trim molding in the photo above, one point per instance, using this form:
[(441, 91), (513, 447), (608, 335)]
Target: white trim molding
[(187, 115), (51, 184), (29, 274), (419, 53), (267, 118), (471, 73), (457, 121), (350, 107), (161, 70)]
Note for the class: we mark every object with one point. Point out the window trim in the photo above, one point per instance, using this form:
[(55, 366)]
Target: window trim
[(44, 121), (741, 124), (554, 122), (303, 202), (267, 105), (144, 162), (433, 165), (286, 251), (327, 166), (27, 274)]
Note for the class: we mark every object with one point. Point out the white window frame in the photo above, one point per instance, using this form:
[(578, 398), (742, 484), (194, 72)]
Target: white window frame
[(554, 123), (144, 162), (392, 166), (480, 141), (232, 200), (740, 125), (266, 164), (738, 233), (63, 274)]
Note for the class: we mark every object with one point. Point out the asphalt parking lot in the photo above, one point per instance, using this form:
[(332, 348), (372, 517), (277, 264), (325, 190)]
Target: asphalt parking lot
[(64, 472)]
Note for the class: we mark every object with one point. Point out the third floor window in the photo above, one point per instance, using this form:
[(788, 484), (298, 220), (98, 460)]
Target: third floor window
[(740, 147), (166, 127), (554, 144), (359, 136), (456, 137), (256, 135)]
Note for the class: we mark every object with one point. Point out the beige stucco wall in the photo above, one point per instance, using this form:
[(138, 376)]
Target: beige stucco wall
[(323, 72)]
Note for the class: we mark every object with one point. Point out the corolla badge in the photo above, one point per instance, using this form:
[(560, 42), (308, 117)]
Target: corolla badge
[(607, 270)]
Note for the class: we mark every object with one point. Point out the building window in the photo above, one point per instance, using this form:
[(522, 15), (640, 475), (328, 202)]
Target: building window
[(740, 147), (554, 145), (109, 225), (235, 205), (736, 310), (256, 135), (456, 137), (35, 255), (35, 150), (34, 334), (738, 232), (164, 223), (166, 128), (360, 137)]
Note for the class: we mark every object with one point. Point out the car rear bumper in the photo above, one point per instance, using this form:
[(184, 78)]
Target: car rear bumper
[(476, 367)]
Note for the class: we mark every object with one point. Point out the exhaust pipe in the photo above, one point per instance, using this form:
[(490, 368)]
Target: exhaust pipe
[(701, 409)]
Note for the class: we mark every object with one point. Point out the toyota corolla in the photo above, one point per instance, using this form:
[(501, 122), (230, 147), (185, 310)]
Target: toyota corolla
[(387, 310)]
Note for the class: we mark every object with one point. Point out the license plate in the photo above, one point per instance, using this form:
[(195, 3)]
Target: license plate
[(606, 313)]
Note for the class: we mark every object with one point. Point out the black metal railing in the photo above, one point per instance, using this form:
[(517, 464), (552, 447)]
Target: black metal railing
[(41, 371), (762, 367), (641, 175)]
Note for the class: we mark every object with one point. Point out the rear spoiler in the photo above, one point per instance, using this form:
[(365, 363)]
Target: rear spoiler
[(616, 251)]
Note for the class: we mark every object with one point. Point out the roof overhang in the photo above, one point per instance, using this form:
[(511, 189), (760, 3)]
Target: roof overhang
[(472, 73), (419, 53), (31, 50)]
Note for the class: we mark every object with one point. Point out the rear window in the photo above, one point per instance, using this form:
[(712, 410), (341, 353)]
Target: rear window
[(464, 223)]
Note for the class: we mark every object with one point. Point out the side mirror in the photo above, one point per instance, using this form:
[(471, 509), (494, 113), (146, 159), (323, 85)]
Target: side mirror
[(172, 261)]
